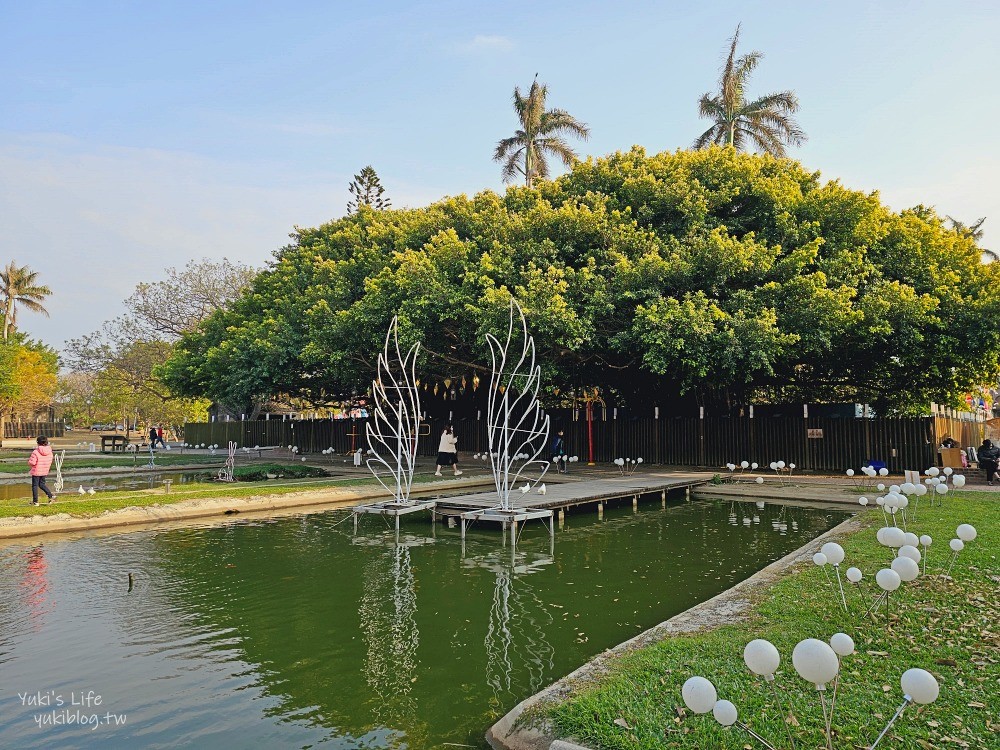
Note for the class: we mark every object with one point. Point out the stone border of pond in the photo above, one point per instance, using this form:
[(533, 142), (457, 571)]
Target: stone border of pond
[(733, 604)]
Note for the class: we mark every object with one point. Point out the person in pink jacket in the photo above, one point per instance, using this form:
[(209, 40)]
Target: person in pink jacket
[(40, 460)]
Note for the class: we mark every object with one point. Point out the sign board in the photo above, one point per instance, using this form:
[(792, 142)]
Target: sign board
[(814, 432)]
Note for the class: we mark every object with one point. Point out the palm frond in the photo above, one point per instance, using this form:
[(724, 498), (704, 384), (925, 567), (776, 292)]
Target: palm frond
[(536, 102), (561, 121), (512, 166), (726, 76), (763, 138), (713, 136), (520, 104), (559, 147), (782, 126), (781, 101), (744, 67), (33, 306), (710, 108), (507, 144)]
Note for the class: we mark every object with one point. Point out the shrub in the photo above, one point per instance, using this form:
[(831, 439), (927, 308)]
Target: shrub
[(259, 472)]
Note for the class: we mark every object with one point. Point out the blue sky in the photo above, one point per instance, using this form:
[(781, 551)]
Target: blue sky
[(135, 136)]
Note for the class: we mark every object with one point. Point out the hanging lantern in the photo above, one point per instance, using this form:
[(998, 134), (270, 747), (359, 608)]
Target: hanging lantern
[(463, 382), (447, 382), (436, 389), (475, 381)]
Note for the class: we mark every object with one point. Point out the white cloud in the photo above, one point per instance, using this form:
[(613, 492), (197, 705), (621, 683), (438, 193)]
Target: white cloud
[(486, 44), (95, 221)]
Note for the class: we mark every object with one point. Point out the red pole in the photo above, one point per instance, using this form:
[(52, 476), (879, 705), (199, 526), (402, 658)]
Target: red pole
[(590, 433)]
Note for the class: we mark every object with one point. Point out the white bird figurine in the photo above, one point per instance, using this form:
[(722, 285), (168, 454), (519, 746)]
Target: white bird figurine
[(82, 491), (91, 491), (526, 488), (541, 490)]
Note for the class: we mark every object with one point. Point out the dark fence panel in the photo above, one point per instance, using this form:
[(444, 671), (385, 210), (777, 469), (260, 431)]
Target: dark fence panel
[(812, 444), (33, 429)]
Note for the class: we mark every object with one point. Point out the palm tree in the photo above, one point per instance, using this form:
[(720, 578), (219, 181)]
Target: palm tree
[(766, 121), (973, 231), (540, 135), (18, 287)]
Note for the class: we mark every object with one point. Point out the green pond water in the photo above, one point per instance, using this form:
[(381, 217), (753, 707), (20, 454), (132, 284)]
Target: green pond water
[(294, 633)]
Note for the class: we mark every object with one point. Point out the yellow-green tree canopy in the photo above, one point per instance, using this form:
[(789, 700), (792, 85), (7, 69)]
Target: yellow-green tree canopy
[(712, 273), (27, 377)]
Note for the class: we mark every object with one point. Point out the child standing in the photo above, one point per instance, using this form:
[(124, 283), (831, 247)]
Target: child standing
[(40, 460)]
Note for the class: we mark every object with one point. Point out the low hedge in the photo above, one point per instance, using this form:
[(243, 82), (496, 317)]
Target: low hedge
[(259, 472)]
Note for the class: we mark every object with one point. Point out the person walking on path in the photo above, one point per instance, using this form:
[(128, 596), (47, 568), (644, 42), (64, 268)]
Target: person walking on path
[(152, 436), (447, 451), (989, 458), (559, 452), (159, 436), (40, 460)]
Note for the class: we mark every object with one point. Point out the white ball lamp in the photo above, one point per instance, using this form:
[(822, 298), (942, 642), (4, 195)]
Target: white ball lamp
[(919, 686)]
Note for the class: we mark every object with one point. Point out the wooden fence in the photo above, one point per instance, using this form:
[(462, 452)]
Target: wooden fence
[(812, 444), (33, 429)]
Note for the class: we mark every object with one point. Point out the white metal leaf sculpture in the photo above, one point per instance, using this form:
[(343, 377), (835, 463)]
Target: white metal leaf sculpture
[(394, 427), (58, 459), (517, 428)]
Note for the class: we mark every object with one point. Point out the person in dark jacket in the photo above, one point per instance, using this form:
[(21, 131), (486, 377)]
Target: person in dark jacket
[(989, 458), (559, 452)]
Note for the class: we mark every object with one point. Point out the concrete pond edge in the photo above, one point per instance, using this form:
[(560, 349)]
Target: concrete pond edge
[(735, 603)]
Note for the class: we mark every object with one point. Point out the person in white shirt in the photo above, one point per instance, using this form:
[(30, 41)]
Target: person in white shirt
[(447, 451)]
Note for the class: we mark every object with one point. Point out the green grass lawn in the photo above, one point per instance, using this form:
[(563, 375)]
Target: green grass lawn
[(93, 505), (948, 627)]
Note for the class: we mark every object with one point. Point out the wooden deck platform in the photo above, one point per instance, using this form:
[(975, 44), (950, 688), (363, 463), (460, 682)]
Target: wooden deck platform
[(562, 493)]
